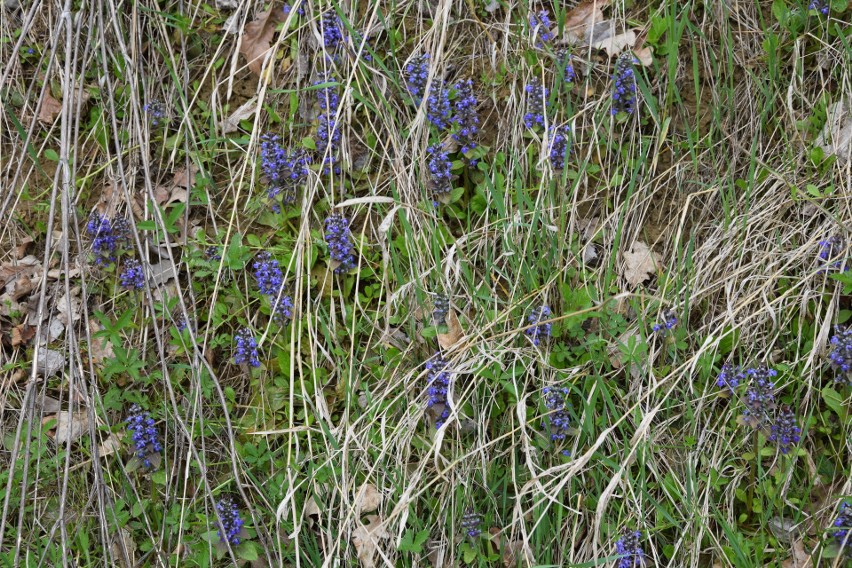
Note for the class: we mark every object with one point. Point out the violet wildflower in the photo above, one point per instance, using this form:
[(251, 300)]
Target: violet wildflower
[(267, 273), (667, 323), (566, 65), (156, 112), (331, 29), (328, 141), (785, 431), (339, 241), (230, 522), (282, 307), (246, 351), (624, 84), (540, 26), (830, 252), (212, 253), (840, 356), (629, 548), (821, 6), (560, 146), (108, 237), (438, 381), (288, 9), (133, 275), (470, 522), (441, 309), (416, 75), (181, 323), (536, 104), (465, 118), (557, 420), (760, 397), (843, 525), (284, 170), (730, 377), (438, 105), (146, 441), (440, 176), (539, 331), (328, 98)]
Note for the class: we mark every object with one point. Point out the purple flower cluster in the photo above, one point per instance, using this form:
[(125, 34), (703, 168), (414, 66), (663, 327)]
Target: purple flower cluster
[(212, 253), (629, 548), (284, 170), (108, 236), (438, 106), (416, 75), (268, 274), (760, 396), (624, 85), (230, 522), (566, 64), (339, 241), (288, 9), (331, 29), (821, 6), (840, 356), (439, 164), (843, 524), (540, 26), (146, 441), (785, 431), (831, 251), (470, 522), (246, 351), (438, 384), (440, 309), (667, 323), (539, 331), (465, 118), (730, 377), (536, 104), (156, 112), (557, 420), (328, 130), (560, 146), (133, 275)]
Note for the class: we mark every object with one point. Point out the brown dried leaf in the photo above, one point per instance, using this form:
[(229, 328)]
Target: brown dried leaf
[(69, 306), (368, 499), (26, 266), (615, 44), (643, 55), (365, 539), (836, 135), (799, 558), (246, 110), (23, 247), (639, 264), (70, 426), (454, 331), (312, 510), (257, 37), (50, 108), (580, 21), (100, 349), (22, 334), (124, 548), (177, 190), (109, 446)]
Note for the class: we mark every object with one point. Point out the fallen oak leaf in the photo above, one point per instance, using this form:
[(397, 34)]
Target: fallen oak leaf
[(50, 108), (639, 264), (365, 539), (257, 37), (368, 499), (69, 426)]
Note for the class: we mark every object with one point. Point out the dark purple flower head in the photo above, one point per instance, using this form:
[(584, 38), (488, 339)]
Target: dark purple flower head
[(539, 331), (557, 420), (133, 275), (285, 170), (540, 26), (146, 441), (440, 176), (212, 253), (566, 64), (230, 522), (108, 237), (282, 307), (246, 351), (331, 29), (730, 377), (438, 384), (536, 104), (328, 97), (668, 321), (328, 142), (339, 241), (416, 75), (831, 252), (840, 356), (842, 526), (560, 146), (465, 118), (629, 548), (821, 6), (470, 523), (268, 274), (441, 309), (438, 105), (785, 432), (760, 397), (288, 9), (624, 84), (181, 323), (156, 112)]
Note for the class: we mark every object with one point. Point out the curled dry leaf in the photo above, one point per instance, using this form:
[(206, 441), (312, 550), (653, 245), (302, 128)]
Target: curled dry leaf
[(616, 43), (639, 264), (244, 112), (70, 426), (365, 539), (109, 446), (836, 135), (257, 37), (454, 331), (176, 191), (50, 108), (68, 306), (368, 499), (580, 22), (312, 510)]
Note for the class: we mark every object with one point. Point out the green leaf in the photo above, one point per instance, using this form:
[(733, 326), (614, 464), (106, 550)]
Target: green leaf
[(412, 542), (159, 477), (247, 551), (309, 143), (51, 155), (834, 401)]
